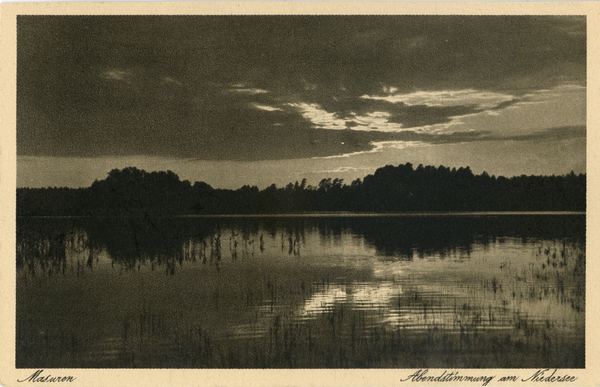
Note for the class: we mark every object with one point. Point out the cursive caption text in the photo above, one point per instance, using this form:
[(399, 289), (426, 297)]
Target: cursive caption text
[(542, 375), (38, 377)]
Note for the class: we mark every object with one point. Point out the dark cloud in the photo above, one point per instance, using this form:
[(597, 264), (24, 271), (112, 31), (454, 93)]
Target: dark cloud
[(414, 116), (220, 87), (552, 134), (504, 105)]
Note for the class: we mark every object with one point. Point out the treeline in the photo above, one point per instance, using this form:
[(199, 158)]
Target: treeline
[(390, 189)]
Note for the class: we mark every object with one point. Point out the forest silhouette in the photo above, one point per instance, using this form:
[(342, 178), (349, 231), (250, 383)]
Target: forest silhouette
[(135, 192)]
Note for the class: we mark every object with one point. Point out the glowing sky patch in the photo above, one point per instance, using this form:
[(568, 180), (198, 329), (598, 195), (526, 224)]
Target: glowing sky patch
[(380, 146), (481, 99), (267, 108), (320, 117), (117, 75), (250, 91), (560, 106)]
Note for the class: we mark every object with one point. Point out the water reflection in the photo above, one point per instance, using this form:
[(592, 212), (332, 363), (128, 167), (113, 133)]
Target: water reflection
[(169, 241), (297, 289)]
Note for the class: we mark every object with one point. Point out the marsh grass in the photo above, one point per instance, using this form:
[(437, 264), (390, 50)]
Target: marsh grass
[(509, 314), (340, 338), (480, 334)]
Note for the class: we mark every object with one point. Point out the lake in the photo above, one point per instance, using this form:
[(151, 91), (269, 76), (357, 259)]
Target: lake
[(311, 291)]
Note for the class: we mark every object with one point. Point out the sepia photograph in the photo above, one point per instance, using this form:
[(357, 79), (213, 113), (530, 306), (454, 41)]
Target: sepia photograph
[(301, 191)]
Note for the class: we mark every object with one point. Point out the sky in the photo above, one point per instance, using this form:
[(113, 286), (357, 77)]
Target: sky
[(235, 100)]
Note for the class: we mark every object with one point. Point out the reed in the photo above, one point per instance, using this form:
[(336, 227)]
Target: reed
[(483, 323)]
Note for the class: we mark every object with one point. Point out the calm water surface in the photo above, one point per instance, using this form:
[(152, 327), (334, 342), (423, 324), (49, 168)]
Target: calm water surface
[(243, 292)]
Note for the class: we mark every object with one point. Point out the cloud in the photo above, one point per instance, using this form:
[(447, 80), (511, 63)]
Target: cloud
[(564, 105), (339, 170), (117, 75), (446, 98), (251, 91), (380, 146), (169, 80), (551, 134), (320, 117), (412, 118), (267, 108), (277, 87), (416, 139)]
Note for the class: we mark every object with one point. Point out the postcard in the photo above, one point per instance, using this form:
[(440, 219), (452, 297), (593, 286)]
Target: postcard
[(299, 194)]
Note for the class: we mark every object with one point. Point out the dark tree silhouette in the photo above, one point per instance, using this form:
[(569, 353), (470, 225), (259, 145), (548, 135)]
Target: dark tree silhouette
[(134, 192)]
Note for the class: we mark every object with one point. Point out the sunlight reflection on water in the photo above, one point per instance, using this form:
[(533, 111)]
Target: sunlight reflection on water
[(238, 281)]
